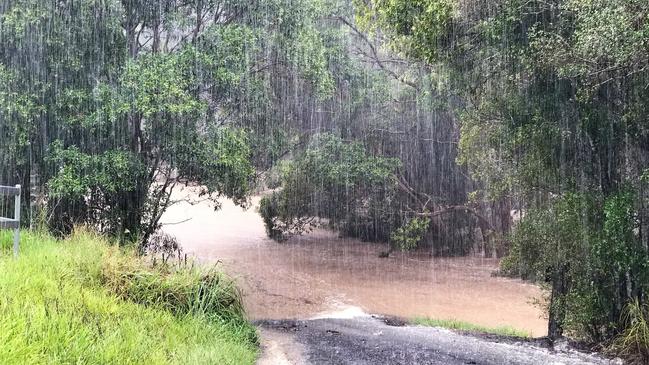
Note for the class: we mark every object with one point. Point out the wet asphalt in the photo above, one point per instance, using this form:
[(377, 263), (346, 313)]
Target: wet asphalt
[(370, 341)]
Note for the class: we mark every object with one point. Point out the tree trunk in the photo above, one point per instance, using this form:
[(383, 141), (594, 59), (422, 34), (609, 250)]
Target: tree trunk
[(557, 310)]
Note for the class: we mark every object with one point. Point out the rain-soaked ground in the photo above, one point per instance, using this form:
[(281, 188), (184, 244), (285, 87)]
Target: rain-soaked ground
[(321, 275)]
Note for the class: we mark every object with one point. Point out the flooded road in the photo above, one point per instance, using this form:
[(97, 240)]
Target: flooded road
[(321, 273)]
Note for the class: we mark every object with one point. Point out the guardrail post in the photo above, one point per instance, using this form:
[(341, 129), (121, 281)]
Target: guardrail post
[(17, 218), (12, 223)]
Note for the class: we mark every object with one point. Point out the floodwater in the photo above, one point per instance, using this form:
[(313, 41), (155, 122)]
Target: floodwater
[(320, 272)]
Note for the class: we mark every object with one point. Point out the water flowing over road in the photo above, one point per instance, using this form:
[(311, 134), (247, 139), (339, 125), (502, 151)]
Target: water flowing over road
[(321, 272), (321, 275)]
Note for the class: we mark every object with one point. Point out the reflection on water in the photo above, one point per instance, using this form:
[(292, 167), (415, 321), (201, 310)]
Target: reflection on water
[(322, 272)]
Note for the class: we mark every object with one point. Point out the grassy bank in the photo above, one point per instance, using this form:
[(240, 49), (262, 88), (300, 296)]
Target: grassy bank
[(84, 301), (469, 327)]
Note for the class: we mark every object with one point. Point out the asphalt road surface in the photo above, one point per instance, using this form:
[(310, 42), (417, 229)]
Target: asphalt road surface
[(370, 341)]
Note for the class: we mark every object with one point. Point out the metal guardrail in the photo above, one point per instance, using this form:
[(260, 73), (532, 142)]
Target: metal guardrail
[(12, 223)]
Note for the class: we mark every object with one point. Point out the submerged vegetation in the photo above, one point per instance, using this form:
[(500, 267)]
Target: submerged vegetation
[(336, 181), (84, 300)]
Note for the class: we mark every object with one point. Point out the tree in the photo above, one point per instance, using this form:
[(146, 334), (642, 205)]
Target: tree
[(392, 107), (108, 105), (550, 120), (337, 181)]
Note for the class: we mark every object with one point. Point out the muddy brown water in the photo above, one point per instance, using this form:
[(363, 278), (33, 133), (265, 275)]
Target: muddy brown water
[(320, 273)]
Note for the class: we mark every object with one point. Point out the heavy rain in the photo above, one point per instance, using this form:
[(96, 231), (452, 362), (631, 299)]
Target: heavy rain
[(324, 181)]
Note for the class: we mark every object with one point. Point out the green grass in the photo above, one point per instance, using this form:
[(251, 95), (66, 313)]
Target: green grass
[(633, 341), (469, 327), (84, 301)]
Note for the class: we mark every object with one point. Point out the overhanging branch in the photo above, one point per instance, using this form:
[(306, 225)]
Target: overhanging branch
[(375, 54)]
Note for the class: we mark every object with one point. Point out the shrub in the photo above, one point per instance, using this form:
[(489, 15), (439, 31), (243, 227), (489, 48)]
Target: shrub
[(269, 211), (339, 182), (181, 291), (586, 249), (161, 243)]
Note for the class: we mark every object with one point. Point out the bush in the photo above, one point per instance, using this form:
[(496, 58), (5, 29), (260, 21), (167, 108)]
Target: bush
[(269, 211), (163, 244), (586, 249), (84, 300), (339, 182), (184, 291)]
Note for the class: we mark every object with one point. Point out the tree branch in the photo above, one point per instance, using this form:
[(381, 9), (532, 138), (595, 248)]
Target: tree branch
[(375, 54)]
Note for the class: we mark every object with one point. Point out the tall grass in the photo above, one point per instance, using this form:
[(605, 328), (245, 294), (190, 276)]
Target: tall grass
[(633, 343), (84, 301)]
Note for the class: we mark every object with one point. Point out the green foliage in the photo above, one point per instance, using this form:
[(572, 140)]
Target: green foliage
[(550, 236), (553, 120), (154, 94), (81, 175), (312, 59), (188, 91), (268, 207), (87, 301), (220, 159), (410, 235), (420, 28), (274, 176), (338, 181), (516, 151), (157, 84), (223, 53), (593, 246), (340, 164), (183, 292)]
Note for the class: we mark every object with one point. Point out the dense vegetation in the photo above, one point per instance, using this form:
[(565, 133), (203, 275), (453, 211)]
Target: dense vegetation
[(84, 300), (106, 105), (512, 128), (554, 120), (166, 92)]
